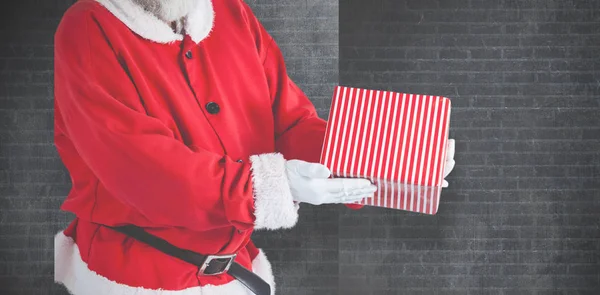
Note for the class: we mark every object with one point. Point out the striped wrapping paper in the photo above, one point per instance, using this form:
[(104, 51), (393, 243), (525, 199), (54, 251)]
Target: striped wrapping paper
[(396, 140)]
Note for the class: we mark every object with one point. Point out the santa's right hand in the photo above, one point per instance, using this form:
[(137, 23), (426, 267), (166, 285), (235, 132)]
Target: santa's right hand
[(310, 183)]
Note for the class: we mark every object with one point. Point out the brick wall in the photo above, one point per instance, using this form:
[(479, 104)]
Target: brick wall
[(522, 213), (33, 181)]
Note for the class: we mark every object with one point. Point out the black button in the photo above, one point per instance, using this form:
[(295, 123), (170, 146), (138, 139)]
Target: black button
[(188, 54), (240, 231), (240, 161), (212, 108)]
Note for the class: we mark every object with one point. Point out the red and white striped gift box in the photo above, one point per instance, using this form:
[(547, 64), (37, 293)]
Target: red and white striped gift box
[(396, 140)]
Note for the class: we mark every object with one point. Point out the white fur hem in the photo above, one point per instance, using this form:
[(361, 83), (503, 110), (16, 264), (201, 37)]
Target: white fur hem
[(74, 274), (198, 24), (275, 207)]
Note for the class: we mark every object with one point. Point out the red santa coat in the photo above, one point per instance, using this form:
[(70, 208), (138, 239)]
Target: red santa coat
[(184, 135)]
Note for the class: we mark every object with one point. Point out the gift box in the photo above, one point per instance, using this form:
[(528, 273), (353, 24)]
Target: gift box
[(397, 140)]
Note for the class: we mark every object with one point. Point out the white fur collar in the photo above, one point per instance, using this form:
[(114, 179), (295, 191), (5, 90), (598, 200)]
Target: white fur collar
[(198, 24)]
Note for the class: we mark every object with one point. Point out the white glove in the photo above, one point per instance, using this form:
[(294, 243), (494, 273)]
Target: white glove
[(310, 183), (449, 161)]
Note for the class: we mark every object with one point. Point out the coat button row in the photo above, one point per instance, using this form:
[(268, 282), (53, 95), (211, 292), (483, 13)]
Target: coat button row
[(213, 108)]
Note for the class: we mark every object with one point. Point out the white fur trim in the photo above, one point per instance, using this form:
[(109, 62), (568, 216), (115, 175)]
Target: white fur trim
[(200, 21), (275, 207), (198, 24), (262, 267), (74, 274)]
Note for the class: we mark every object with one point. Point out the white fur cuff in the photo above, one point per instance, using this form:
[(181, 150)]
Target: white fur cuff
[(275, 207)]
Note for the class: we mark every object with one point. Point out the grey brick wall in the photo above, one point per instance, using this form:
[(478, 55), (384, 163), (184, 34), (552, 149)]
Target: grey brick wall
[(522, 213), (33, 181), (521, 216)]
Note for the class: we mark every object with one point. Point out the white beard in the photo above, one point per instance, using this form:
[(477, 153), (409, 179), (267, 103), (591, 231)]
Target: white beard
[(169, 10)]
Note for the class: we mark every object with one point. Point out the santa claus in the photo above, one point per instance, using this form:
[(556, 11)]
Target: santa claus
[(182, 133)]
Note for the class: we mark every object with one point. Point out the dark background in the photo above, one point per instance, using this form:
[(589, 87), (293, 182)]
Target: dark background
[(521, 215)]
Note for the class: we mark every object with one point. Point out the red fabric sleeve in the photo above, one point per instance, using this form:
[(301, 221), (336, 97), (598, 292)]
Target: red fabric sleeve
[(299, 131), (135, 156)]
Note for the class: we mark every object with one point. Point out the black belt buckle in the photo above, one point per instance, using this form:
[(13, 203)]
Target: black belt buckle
[(216, 264)]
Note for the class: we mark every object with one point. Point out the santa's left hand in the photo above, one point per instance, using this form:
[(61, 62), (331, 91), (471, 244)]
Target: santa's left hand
[(449, 161)]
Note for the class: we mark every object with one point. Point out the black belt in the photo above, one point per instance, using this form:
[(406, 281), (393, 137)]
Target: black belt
[(207, 264)]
